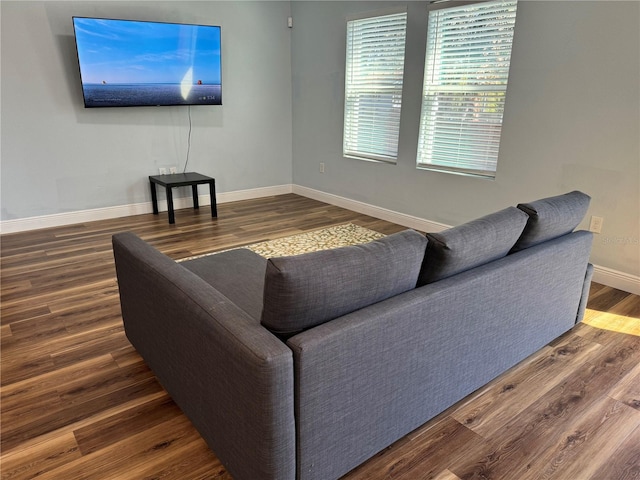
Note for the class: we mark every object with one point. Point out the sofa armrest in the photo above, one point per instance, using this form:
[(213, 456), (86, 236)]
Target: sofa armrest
[(230, 376)]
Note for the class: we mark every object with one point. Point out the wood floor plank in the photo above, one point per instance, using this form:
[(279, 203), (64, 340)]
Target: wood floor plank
[(126, 459), (446, 475), (627, 390), (5, 332), (22, 311), (606, 298), (507, 397), (25, 366), (604, 426), (83, 422), (27, 358), (127, 355), (624, 462), (18, 395), (37, 329), (613, 321), (424, 459), (138, 418), (544, 423), (28, 463), (78, 402), (58, 415), (628, 307), (603, 336)]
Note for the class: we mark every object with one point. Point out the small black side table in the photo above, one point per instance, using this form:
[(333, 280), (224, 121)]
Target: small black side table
[(182, 180)]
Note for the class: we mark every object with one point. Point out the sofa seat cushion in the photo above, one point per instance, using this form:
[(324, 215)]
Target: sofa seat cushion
[(471, 244), (237, 274), (306, 290), (552, 217)]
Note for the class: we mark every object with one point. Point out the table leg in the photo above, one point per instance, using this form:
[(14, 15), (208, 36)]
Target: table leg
[(154, 198), (212, 194), (194, 191), (172, 218)]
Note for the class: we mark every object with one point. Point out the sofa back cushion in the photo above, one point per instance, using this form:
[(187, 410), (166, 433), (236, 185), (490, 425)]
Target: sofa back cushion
[(306, 290), (552, 217), (471, 244)]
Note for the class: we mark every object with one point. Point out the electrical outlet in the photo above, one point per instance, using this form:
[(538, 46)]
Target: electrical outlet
[(596, 224), (173, 170), (321, 167), (162, 170)]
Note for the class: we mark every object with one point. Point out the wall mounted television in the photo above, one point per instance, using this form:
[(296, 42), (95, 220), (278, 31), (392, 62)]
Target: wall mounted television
[(127, 63)]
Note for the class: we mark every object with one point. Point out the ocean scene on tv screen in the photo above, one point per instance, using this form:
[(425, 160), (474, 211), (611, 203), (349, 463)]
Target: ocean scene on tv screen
[(131, 63)]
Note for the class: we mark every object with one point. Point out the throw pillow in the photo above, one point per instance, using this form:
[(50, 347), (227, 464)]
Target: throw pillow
[(552, 217), (306, 290), (471, 244)]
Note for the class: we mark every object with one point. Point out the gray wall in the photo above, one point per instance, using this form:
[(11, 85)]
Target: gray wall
[(59, 157), (571, 119)]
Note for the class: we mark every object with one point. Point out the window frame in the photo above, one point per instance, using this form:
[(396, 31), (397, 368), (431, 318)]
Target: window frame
[(469, 112), (381, 143)]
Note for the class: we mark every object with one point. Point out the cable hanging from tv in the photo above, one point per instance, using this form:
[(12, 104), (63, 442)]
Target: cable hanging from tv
[(188, 142)]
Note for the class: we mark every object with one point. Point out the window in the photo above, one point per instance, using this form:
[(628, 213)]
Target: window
[(465, 84), (373, 87)]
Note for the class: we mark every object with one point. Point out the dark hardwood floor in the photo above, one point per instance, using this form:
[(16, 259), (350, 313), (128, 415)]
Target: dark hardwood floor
[(77, 402)]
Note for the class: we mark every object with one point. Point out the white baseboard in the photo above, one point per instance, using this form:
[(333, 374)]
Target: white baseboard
[(606, 276), (408, 221), (69, 218), (252, 193), (81, 216), (616, 279)]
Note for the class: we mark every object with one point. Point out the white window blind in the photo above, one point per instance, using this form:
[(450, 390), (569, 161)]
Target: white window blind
[(465, 84), (373, 86)]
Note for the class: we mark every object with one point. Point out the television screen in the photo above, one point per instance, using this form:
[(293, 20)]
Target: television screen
[(125, 63)]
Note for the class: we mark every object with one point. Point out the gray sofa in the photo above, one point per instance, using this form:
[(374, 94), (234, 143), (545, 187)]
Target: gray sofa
[(303, 367)]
